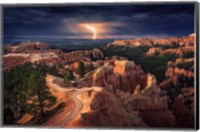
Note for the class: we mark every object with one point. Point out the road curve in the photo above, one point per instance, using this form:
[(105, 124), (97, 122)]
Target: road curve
[(54, 85), (75, 112)]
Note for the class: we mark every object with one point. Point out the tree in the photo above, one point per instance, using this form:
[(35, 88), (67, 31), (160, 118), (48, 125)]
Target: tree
[(14, 89), (39, 95), (68, 77), (81, 69), (25, 91), (92, 57), (90, 67)]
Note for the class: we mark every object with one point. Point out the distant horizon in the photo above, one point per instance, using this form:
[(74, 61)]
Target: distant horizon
[(61, 38)]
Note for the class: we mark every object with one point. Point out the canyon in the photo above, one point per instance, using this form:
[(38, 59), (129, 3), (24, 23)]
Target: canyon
[(113, 91), (169, 41)]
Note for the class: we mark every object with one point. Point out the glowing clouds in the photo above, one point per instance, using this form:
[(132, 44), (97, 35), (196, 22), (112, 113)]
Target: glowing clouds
[(99, 30), (92, 29)]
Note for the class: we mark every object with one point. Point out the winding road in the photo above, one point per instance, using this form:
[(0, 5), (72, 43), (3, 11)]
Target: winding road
[(78, 107), (55, 85)]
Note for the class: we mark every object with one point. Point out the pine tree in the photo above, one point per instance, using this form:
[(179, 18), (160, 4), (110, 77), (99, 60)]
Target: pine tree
[(81, 69), (90, 67), (25, 92), (39, 95), (68, 77)]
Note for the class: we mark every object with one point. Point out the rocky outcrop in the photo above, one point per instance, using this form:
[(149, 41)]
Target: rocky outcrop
[(40, 53), (83, 55), (177, 77), (104, 109), (123, 66), (151, 88), (149, 102), (184, 115), (13, 61), (134, 42), (154, 51), (182, 41), (179, 73), (170, 41), (178, 51), (179, 85), (122, 75), (26, 47), (146, 99), (135, 90)]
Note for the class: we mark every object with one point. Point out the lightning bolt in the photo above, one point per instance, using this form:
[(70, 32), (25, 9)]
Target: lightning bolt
[(92, 29)]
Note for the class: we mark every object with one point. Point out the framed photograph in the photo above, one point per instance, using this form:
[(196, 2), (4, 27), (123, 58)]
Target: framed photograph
[(108, 65)]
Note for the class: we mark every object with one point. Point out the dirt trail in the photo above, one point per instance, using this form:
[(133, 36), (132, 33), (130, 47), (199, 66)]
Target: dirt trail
[(63, 118), (78, 107)]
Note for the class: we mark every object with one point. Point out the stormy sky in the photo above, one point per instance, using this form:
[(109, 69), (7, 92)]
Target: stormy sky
[(109, 21)]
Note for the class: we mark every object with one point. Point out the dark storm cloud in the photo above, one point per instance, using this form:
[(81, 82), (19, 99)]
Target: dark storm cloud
[(138, 20)]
